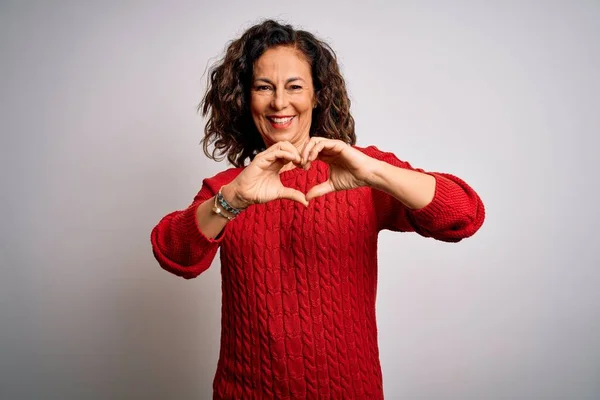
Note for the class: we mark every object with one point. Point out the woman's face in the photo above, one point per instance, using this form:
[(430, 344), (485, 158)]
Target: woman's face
[(282, 96)]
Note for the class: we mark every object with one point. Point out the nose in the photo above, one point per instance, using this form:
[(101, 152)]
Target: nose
[(279, 100)]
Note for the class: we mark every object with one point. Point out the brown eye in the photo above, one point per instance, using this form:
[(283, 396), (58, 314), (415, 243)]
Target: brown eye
[(262, 88)]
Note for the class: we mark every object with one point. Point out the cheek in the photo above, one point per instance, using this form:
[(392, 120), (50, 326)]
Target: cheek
[(257, 114), (253, 106), (307, 110), (257, 105), (307, 106)]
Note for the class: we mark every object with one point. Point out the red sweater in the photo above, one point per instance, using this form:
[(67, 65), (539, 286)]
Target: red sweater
[(299, 284)]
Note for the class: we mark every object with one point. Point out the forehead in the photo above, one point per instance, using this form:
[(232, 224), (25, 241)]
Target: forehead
[(284, 61)]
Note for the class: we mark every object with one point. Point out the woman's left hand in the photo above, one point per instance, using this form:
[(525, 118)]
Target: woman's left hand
[(348, 168)]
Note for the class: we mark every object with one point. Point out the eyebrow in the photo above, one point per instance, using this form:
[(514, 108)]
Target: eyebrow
[(294, 78)]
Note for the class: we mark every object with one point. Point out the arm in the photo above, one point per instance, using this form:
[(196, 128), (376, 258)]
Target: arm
[(412, 188), (437, 205), (210, 223), (185, 242)]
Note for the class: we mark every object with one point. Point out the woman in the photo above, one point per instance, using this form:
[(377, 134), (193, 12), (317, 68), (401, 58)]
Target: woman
[(297, 227)]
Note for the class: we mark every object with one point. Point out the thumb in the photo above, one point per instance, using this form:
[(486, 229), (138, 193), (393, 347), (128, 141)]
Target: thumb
[(320, 190), (295, 195)]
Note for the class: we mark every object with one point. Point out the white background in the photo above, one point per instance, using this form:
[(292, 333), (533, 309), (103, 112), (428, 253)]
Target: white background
[(100, 139)]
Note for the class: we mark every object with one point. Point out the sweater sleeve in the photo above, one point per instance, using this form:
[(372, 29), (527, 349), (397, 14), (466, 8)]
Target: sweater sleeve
[(178, 244), (456, 211)]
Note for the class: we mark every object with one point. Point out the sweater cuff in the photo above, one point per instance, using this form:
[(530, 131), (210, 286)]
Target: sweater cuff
[(189, 225), (443, 195)]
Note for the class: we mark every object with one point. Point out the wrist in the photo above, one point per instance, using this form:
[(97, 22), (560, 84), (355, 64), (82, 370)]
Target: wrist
[(231, 195), (375, 177)]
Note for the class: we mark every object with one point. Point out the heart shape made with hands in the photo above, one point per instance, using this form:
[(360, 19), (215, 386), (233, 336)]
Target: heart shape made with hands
[(260, 181), (347, 166)]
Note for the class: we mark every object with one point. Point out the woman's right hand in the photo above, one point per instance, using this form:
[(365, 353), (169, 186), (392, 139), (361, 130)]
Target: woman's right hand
[(259, 182)]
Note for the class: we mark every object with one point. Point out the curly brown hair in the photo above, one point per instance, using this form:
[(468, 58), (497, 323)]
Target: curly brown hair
[(227, 100)]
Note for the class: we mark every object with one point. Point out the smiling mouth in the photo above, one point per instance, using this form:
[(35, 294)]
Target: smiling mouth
[(281, 120)]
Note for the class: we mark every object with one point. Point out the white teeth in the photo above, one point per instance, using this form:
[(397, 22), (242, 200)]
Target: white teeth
[(281, 120)]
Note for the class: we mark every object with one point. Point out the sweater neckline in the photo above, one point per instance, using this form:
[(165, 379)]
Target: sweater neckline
[(316, 166), (292, 171)]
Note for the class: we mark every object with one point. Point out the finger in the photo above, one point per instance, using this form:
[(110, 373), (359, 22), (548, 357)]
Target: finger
[(277, 155), (304, 149), (314, 152), (320, 190), (295, 195), (289, 147), (275, 146), (284, 145), (307, 148), (333, 148)]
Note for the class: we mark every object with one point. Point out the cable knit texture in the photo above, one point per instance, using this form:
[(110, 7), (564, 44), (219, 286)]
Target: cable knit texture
[(299, 284)]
